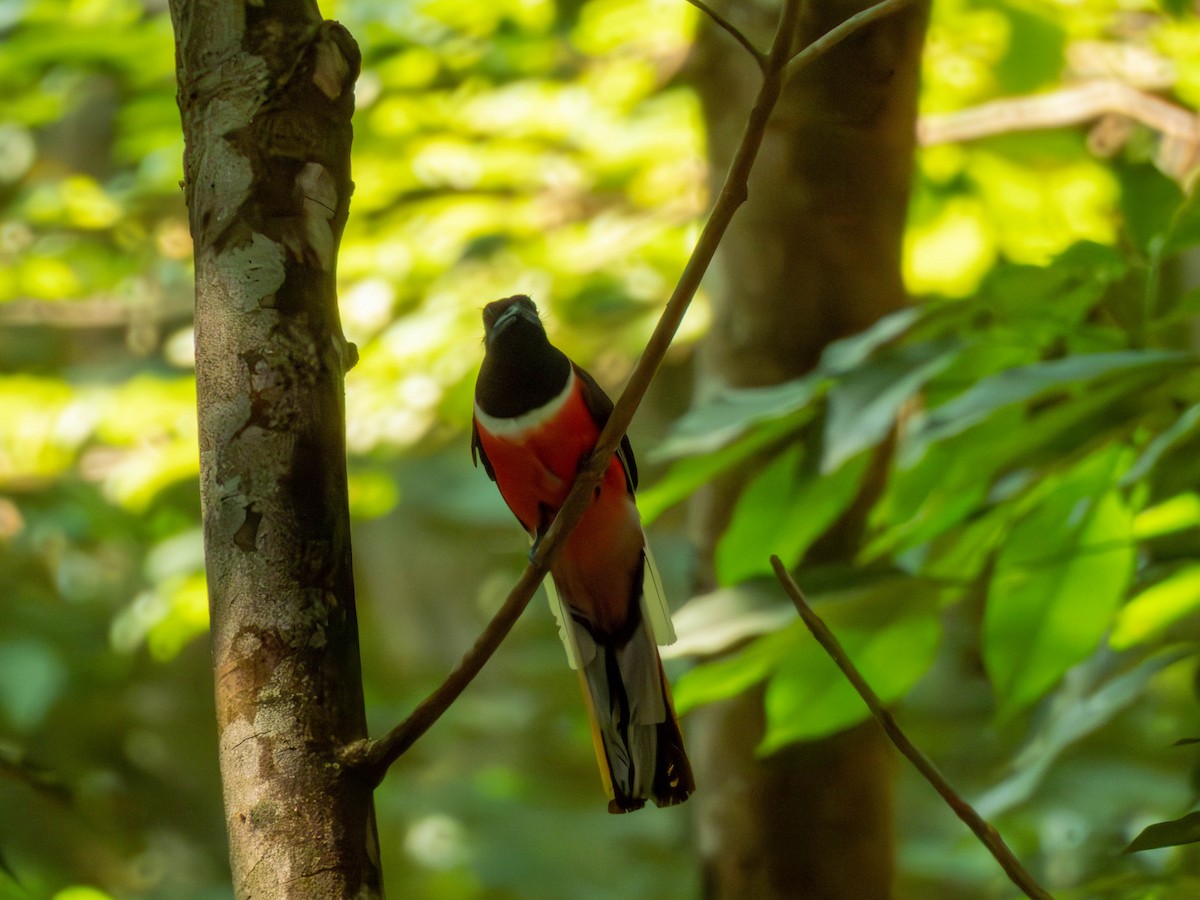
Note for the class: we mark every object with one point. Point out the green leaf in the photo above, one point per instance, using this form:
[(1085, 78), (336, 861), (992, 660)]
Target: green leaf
[(1154, 610), (1180, 430), (934, 488), (809, 697), (1091, 695), (1029, 382), (728, 617), (1178, 513), (731, 675), (1148, 200), (1035, 51), (1184, 229), (1056, 583), (689, 473), (782, 511), (849, 601), (7, 869), (864, 403), (729, 414), (851, 352), (1168, 834)]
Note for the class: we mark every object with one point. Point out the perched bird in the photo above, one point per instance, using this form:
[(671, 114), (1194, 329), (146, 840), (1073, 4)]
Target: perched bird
[(537, 419)]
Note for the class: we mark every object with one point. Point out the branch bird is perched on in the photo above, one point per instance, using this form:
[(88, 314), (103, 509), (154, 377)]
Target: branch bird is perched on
[(537, 418)]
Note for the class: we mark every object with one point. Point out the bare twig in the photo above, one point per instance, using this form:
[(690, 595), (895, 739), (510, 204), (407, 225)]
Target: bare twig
[(1073, 105), (374, 758), (986, 833), (835, 36), (734, 31)]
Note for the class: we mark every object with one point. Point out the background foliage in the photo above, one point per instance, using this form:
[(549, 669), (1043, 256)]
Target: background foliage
[(1029, 591)]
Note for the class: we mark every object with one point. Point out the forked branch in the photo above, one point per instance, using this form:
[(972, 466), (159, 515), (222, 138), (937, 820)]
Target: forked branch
[(738, 35)]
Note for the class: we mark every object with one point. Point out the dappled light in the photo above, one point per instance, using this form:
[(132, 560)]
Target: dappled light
[(1020, 445)]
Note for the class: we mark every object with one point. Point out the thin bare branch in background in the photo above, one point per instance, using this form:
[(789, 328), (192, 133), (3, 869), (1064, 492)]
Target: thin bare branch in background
[(983, 829), (759, 57)]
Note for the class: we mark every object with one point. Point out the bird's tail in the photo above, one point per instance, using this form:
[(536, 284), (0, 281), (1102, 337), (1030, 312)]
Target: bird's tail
[(634, 728), (634, 725)]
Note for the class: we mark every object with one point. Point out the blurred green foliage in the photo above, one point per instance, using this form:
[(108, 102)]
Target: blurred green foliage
[(1028, 588)]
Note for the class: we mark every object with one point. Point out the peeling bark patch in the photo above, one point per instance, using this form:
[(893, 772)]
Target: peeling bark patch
[(255, 655), (320, 202), (251, 274), (330, 70), (307, 231), (268, 390), (246, 537)]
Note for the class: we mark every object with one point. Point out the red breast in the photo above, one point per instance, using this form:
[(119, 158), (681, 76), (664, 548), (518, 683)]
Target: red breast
[(535, 461)]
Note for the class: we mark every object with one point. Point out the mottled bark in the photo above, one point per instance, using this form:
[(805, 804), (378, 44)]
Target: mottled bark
[(812, 257), (266, 96)]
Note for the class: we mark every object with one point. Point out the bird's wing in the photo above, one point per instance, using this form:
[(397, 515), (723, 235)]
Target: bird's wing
[(601, 407), (477, 453)]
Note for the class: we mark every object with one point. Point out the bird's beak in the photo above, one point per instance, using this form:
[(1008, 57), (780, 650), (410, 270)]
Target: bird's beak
[(509, 316)]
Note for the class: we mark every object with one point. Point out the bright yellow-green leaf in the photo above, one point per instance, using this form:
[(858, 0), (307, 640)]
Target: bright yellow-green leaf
[(81, 892), (1056, 583), (1176, 514), (1156, 608), (951, 253)]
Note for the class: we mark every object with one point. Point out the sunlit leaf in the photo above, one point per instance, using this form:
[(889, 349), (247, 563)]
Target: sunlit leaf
[(373, 493), (81, 892), (951, 253), (1175, 514), (782, 511), (1155, 609), (731, 675), (164, 618), (1056, 582), (724, 618)]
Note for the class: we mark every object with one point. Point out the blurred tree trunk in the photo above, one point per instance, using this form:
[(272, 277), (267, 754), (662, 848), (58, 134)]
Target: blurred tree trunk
[(266, 95), (812, 257)]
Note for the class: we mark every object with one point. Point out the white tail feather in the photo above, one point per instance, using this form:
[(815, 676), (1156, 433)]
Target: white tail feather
[(654, 601)]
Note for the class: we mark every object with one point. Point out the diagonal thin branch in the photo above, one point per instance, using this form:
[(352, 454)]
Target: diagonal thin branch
[(738, 35), (371, 759), (835, 36), (983, 829)]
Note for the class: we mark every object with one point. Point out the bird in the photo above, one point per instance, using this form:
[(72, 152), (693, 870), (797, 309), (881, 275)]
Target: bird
[(537, 418)]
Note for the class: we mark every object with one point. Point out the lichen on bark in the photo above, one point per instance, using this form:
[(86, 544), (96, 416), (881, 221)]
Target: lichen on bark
[(266, 96)]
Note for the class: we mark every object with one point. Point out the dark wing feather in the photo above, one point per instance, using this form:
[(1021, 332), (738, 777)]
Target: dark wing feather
[(601, 407), (477, 453)]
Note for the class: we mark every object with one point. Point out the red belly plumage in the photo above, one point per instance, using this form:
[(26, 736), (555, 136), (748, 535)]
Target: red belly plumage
[(597, 568)]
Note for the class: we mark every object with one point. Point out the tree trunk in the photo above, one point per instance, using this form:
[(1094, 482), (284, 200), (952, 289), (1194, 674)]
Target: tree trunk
[(265, 92), (812, 257)]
